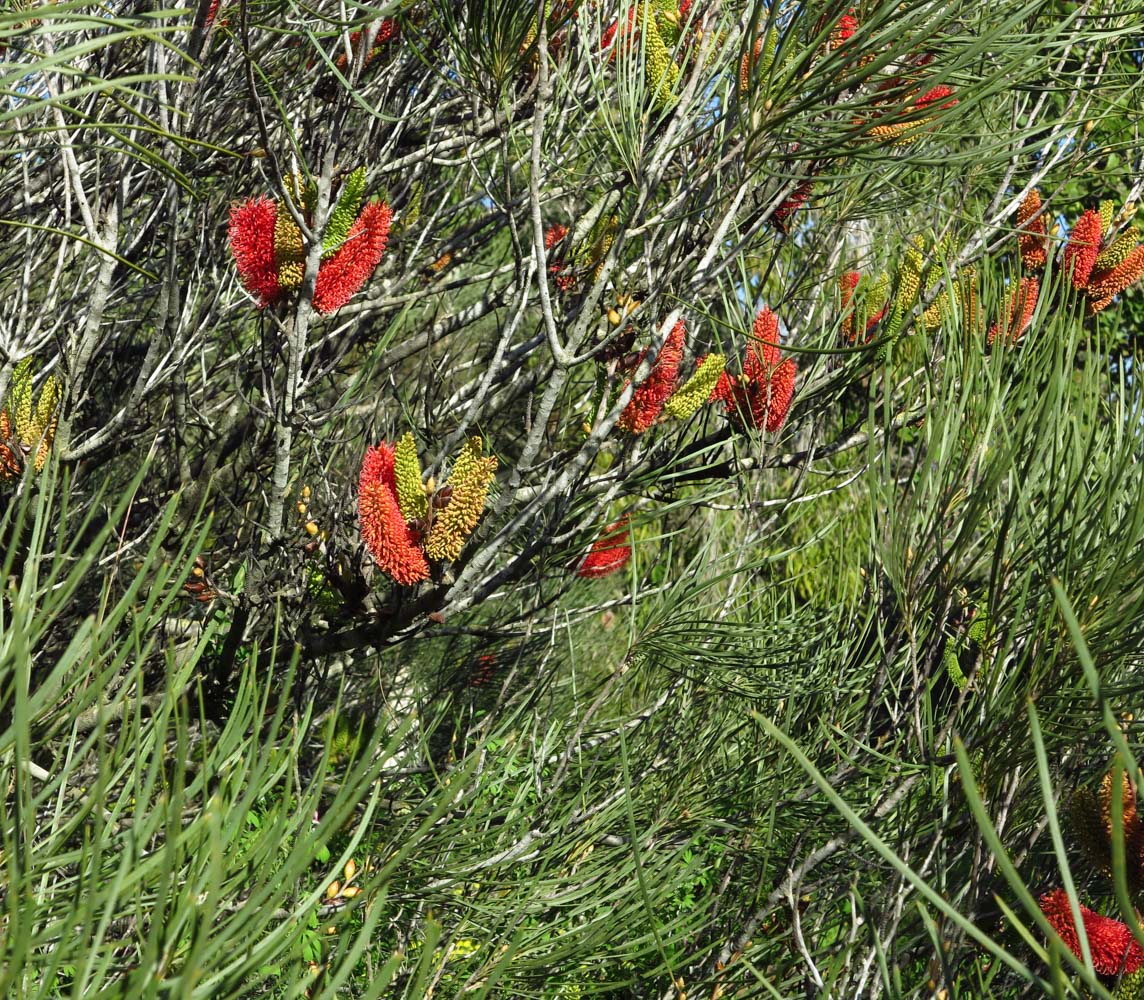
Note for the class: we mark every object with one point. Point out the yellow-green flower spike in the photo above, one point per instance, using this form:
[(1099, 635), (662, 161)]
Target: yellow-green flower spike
[(697, 389), (20, 402), (1107, 213), (1131, 987), (344, 213), (661, 73), (470, 479), (1118, 251), (289, 255), (407, 473)]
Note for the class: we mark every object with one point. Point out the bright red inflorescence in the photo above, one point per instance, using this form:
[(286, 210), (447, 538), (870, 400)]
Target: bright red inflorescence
[(1083, 247), (1110, 941), (648, 400), (844, 29), (347, 270), (1018, 311), (797, 199), (762, 395), (934, 94), (562, 275), (386, 32), (390, 540), (610, 552), (251, 235)]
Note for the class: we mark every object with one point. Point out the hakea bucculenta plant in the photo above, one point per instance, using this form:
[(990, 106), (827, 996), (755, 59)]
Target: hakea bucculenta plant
[(761, 396), (611, 552), (651, 396), (270, 253), (27, 423), (407, 523), (1111, 943)]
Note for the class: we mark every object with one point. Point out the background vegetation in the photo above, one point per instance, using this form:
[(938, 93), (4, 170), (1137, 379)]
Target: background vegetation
[(821, 734)]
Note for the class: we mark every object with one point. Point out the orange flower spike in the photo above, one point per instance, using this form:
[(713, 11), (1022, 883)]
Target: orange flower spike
[(1104, 285), (391, 542), (1083, 248), (1018, 311), (610, 552), (1111, 943), (846, 285), (648, 400), (1031, 239)]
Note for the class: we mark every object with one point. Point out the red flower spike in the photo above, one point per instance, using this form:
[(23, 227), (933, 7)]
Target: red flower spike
[(846, 285), (797, 199), (648, 400), (934, 94), (762, 395), (391, 542), (844, 29), (386, 32), (347, 270), (251, 235), (1018, 311), (1113, 948), (609, 553), (1083, 247)]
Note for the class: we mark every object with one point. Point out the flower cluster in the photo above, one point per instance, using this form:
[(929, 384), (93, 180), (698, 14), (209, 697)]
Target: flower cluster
[(27, 424), (1111, 943), (1099, 262), (665, 23), (585, 259), (650, 397), (405, 522), (609, 553), (269, 250), (761, 396)]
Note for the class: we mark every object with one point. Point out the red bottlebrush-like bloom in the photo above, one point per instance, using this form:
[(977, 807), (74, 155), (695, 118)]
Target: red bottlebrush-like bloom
[(844, 29), (390, 540), (562, 275), (386, 32), (934, 94), (1083, 247), (798, 197), (609, 553), (251, 235), (347, 270), (762, 395), (1110, 941), (648, 400), (1018, 311)]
